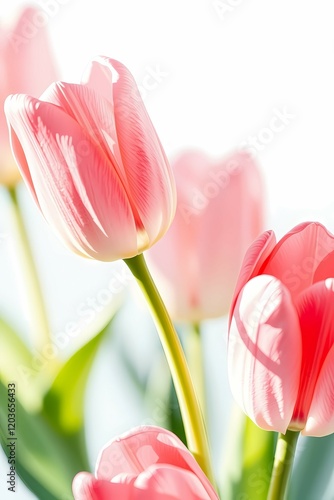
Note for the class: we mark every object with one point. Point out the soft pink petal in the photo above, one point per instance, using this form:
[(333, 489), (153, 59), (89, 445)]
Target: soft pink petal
[(315, 309), (320, 420), (233, 219), (264, 353), (135, 451), (86, 487), (298, 255), (26, 65), (325, 269), (93, 218), (19, 155), (219, 213), (167, 482), (147, 169), (95, 115), (256, 254)]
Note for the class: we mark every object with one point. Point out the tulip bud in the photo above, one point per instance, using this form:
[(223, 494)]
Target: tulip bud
[(281, 338), (94, 163)]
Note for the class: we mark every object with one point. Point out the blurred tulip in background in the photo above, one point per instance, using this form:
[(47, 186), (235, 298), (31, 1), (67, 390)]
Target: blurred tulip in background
[(220, 211), (26, 65)]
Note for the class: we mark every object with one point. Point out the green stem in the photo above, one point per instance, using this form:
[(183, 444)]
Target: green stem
[(33, 292), (194, 351), (189, 406), (285, 451)]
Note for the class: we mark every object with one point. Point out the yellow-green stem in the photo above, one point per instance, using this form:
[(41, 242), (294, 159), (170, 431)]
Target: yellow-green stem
[(33, 293), (284, 455), (195, 357), (191, 414)]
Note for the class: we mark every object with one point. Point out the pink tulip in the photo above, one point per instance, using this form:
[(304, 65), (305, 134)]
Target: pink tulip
[(27, 65), (147, 463), (219, 213), (94, 163), (281, 339)]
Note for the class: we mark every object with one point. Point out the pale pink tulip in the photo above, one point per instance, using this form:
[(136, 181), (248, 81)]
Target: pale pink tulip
[(219, 213), (147, 463), (26, 65), (281, 339), (94, 163)]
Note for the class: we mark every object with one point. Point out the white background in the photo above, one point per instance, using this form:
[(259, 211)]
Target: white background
[(225, 69)]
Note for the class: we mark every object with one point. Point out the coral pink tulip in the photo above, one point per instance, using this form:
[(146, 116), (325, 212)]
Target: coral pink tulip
[(148, 463), (219, 213), (27, 65), (93, 162), (281, 339)]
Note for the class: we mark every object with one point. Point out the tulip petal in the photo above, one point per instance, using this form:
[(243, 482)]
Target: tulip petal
[(167, 482), (315, 309), (197, 279), (28, 63), (237, 211), (135, 451), (264, 353), (94, 114), (298, 254), (86, 487), (257, 253), (62, 163), (147, 169), (320, 420)]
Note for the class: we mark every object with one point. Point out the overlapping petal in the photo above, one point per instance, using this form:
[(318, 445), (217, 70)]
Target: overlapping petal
[(298, 254), (255, 256), (146, 167), (167, 482), (320, 419), (86, 487), (315, 309), (264, 352)]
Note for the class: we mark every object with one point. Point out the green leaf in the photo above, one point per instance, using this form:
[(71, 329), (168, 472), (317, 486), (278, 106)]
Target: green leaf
[(246, 470), (16, 364), (45, 460), (64, 402)]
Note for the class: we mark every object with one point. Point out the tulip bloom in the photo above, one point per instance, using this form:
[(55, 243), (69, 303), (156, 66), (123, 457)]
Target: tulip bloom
[(281, 339), (27, 65), (219, 213), (93, 162), (147, 463)]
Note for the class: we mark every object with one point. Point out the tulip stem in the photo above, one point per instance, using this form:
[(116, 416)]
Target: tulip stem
[(285, 451), (189, 406), (194, 351), (39, 320)]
